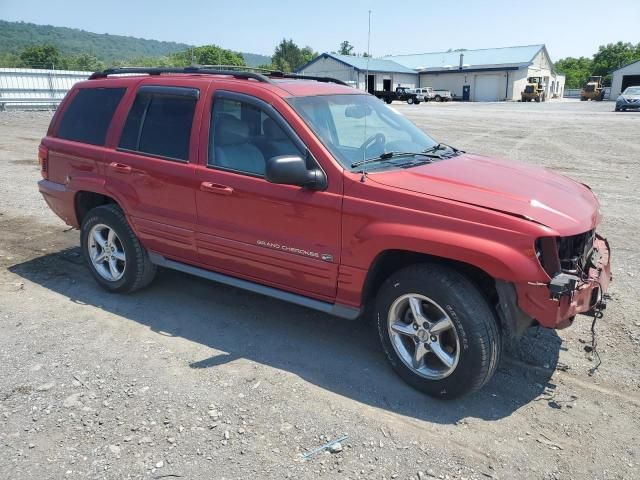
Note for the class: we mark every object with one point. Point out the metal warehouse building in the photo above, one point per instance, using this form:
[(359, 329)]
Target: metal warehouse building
[(624, 77), (364, 73), (484, 75)]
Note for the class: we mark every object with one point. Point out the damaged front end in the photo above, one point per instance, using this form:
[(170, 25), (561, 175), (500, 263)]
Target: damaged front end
[(579, 273)]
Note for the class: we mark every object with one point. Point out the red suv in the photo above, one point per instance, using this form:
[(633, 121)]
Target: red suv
[(311, 191)]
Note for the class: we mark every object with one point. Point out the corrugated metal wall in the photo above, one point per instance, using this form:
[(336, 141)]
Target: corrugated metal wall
[(25, 88)]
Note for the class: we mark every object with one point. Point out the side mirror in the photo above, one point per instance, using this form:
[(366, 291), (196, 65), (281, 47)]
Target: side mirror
[(292, 170)]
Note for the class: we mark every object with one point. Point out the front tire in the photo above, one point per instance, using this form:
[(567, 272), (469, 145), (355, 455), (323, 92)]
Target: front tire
[(437, 330), (410, 100), (113, 253)]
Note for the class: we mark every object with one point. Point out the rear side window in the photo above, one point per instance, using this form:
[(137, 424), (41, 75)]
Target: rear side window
[(88, 116), (160, 121)]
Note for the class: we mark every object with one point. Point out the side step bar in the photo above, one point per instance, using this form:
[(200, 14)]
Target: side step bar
[(336, 309)]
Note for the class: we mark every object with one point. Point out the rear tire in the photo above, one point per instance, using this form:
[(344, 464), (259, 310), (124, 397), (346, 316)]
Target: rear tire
[(454, 346), (410, 100), (438, 98), (113, 253)]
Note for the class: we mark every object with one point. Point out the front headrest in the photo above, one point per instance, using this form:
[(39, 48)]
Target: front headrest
[(230, 130), (272, 130)]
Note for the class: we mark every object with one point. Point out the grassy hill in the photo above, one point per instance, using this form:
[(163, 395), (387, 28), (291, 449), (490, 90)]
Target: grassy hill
[(16, 36)]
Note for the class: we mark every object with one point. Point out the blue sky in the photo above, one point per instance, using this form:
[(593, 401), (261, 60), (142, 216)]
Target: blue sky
[(569, 28)]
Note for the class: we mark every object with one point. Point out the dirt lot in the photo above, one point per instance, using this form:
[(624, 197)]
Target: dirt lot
[(190, 379)]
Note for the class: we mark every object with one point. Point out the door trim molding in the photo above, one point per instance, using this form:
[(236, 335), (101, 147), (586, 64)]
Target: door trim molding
[(336, 309)]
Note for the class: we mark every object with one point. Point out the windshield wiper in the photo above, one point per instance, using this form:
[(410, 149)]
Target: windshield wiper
[(390, 155), (442, 146)]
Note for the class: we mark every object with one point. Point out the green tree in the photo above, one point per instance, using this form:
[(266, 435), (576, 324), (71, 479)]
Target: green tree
[(346, 48), (576, 70), (83, 62), (207, 55), (8, 59), (612, 56), (41, 56), (288, 56)]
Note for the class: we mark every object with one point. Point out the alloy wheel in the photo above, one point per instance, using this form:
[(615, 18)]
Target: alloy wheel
[(424, 336), (106, 252)]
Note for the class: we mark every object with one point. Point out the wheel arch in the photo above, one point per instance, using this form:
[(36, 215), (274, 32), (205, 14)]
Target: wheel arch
[(388, 262), (86, 200), (500, 294)]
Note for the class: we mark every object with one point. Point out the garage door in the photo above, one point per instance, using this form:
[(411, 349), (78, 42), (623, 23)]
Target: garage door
[(487, 88), (630, 81)]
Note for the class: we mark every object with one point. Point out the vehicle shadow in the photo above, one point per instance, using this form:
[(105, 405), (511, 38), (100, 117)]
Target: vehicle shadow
[(338, 355)]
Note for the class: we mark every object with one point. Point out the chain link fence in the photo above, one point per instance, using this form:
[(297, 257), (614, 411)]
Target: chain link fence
[(36, 88)]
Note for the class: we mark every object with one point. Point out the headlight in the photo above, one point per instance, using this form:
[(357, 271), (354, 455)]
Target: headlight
[(621, 99)]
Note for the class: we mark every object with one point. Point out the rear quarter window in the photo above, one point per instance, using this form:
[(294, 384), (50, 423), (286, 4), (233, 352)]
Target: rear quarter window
[(89, 115)]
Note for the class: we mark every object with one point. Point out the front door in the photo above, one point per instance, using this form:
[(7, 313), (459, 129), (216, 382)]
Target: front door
[(371, 83), (466, 93), (386, 85), (281, 235)]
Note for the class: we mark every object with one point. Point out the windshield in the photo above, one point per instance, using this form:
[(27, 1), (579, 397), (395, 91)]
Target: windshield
[(632, 91), (358, 127)]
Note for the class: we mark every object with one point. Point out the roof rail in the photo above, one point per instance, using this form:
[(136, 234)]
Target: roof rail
[(275, 73), (295, 76), (193, 69), (241, 72)]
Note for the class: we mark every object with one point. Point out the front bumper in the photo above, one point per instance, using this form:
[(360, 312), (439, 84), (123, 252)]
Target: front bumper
[(535, 300), (627, 104)]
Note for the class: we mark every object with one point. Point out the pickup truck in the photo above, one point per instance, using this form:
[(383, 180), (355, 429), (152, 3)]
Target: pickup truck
[(424, 94), (404, 94), (306, 190), (442, 96)]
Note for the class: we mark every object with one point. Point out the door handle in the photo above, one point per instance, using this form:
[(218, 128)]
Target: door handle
[(216, 188), (120, 167)]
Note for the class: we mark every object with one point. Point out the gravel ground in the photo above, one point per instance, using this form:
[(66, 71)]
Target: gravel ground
[(190, 379)]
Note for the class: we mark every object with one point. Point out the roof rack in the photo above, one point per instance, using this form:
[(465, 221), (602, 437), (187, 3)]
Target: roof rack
[(295, 76), (241, 72), (193, 69), (275, 73)]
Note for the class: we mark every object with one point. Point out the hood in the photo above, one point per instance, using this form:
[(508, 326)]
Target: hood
[(629, 96), (527, 191)]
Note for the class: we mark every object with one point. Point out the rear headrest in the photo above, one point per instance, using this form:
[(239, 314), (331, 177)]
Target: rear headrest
[(230, 130), (272, 130)]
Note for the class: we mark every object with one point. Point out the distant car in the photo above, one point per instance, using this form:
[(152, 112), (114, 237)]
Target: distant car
[(442, 95), (403, 94), (425, 94), (629, 99)]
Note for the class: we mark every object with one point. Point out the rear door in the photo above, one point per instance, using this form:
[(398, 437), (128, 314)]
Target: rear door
[(281, 235), (152, 165)]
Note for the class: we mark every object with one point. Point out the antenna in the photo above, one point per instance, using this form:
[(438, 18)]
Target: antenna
[(366, 87)]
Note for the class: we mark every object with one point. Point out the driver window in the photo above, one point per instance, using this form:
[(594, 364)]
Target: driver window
[(244, 136)]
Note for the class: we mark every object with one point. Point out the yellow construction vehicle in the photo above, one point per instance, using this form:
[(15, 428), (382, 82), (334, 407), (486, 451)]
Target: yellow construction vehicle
[(534, 90), (593, 90)]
